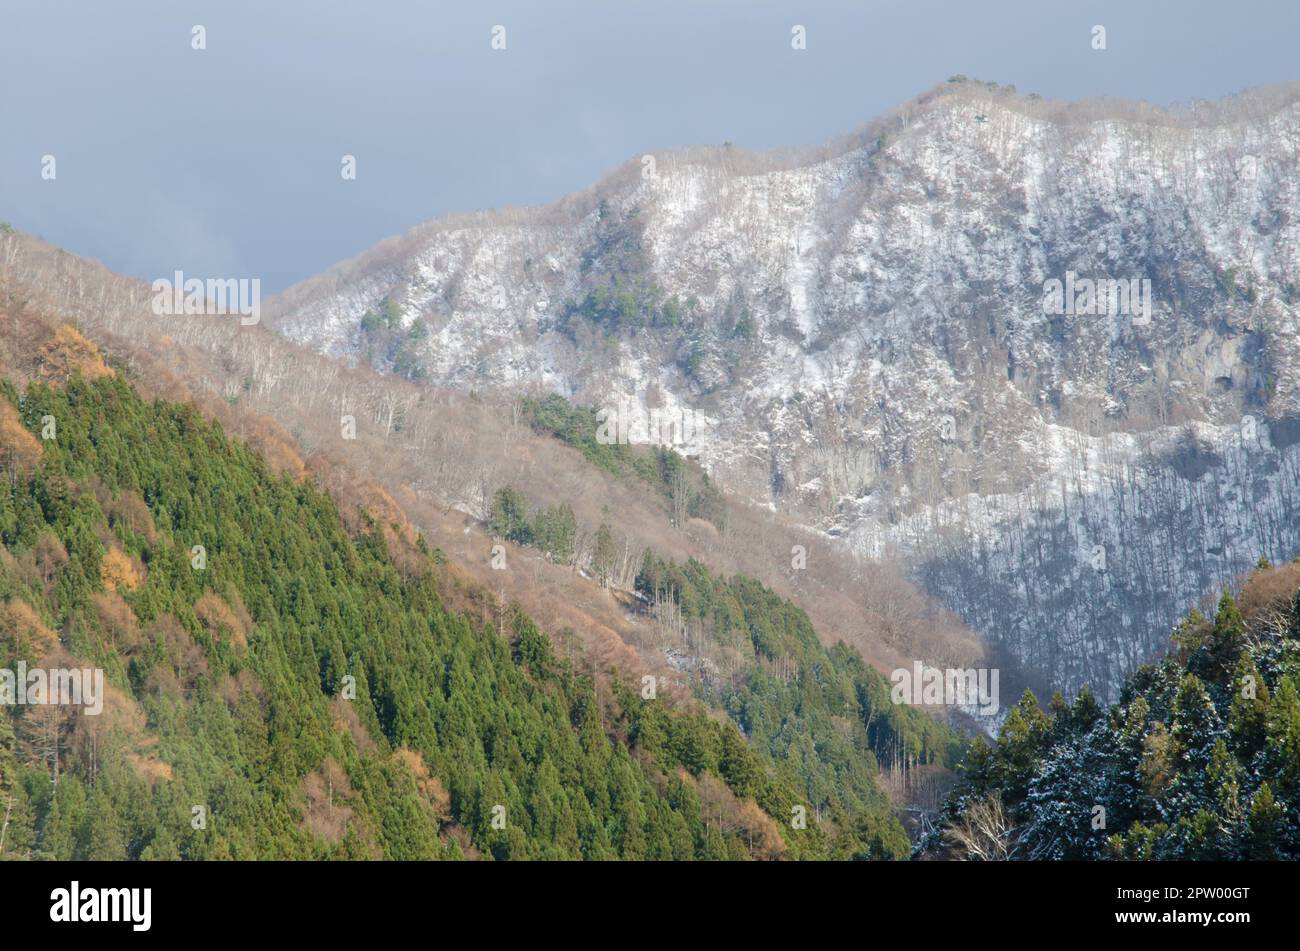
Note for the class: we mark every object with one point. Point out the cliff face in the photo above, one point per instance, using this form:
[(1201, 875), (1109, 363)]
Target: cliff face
[(863, 331)]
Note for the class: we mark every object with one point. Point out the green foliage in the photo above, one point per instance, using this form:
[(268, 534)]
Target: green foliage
[(817, 720), (357, 716), (579, 426), (658, 466), (822, 716), (551, 530), (509, 518), (604, 555), (628, 305), (1200, 759), (387, 345)]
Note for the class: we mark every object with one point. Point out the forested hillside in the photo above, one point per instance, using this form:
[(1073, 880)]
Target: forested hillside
[(889, 376), (288, 681), (436, 458), (823, 713), (813, 707), (1200, 759)]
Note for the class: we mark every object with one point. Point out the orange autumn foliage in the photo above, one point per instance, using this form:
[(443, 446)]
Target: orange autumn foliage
[(1268, 591), (431, 788), (117, 619), (68, 352), (20, 621), (19, 449), (119, 570)]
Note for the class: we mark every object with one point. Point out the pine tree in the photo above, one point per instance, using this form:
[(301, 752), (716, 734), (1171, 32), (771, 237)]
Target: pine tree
[(1195, 725), (1248, 712), (602, 559), (1264, 825), (1019, 747), (1226, 639), (1223, 787), (1283, 743)]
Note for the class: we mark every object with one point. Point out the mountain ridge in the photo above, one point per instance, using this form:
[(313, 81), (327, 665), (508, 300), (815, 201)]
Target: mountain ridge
[(865, 135), (864, 334)]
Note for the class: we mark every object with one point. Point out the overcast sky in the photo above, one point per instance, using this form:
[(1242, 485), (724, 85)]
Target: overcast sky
[(226, 162)]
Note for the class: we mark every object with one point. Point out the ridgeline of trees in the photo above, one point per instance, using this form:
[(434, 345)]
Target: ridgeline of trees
[(688, 490)]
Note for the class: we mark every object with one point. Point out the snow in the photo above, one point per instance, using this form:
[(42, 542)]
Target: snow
[(913, 276)]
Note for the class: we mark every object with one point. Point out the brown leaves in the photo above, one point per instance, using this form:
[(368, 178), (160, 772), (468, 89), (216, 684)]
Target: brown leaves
[(129, 511), (720, 807), (46, 558), (343, 716), (277, 448), (221, 620), (186, 662), (117, 620), (19, 450), (68, 352), (119, 570), (326, 793), (1266, 598), (430, 787), (760, 831), (123, 721), (31, 636)]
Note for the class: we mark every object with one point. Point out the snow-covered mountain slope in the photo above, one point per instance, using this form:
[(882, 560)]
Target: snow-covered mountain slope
[(868, 333)]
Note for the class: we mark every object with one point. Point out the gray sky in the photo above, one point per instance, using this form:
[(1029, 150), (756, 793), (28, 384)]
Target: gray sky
[(225, 162)]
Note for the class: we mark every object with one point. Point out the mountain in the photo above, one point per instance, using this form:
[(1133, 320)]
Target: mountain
[(436, 458), (381, 551), (281, 680), (861, 337)]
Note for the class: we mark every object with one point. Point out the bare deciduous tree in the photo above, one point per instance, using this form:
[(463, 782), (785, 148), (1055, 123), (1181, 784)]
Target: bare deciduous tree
[(984, 832)]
